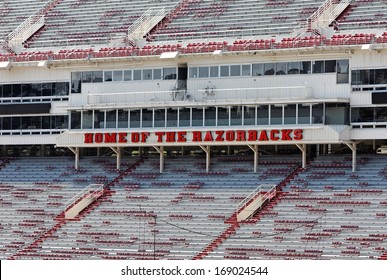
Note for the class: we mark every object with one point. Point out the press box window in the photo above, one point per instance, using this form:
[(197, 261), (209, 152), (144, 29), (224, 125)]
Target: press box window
[(108, 76), (214, 71), (235, 70), (117, 76), (147, 74), (127, 75), (136, 75), (193, 72), (224, 71), (203, 72), (169, 73), (257, 69), (156, 74)]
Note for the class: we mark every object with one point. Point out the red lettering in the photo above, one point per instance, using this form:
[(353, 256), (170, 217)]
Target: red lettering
[(273, 135), (230, 135), (122, 137), (110, 137), (98, 138), (219, 137), (88, 138), (252, 135), (144, 136), (170, 137), (159, 136), (181, 136), (298, 134), (263, 136), (240, 135), (286, 135), (135, 137), (208, 137), (196, 136)]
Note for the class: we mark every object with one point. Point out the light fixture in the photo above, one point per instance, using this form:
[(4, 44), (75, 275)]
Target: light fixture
[(5, 65), (217, 52), (168, 55)]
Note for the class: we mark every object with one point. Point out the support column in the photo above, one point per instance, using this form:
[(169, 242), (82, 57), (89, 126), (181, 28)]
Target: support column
[(161, 152), (207, 150), (118, 153), (302, 148), (254, 148), (352, 146), (76, 153)]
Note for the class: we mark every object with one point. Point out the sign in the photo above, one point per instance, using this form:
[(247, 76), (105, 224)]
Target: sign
[(194, 136)]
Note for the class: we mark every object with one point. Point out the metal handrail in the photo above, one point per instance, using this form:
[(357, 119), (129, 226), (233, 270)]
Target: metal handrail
[(255, 193), (92, 189)]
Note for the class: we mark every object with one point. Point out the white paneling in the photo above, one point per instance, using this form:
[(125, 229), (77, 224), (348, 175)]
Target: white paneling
[(369, 59), (369, 134), (361, 98), (323, 85), (33, 74), (27, 139), (132, 86), (59, 107)]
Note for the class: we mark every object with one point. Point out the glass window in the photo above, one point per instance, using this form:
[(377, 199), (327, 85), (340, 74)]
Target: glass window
[(87, 76), (380, 76), (135, 117), (263, 115), (342, 71), (249, 115), (224, 71), (76, 82), (159, 118), (87, 119), (210, 116), (269, 68), (107, 76), (193, 72), (246, 70), (290, 114), (60, 89), (7, 122), (123, 116), (317, 113), (127, 75), (258, 69), (117, 76), (197, 116), (147, 74), (46, 89), (97, 77), (136, 75), (214, 71), (111, 118), (16, 90), (25, 90), (318, 67), (156, 74), (293, 68), (36, 89), (170, 73), (276, 114), (364, 114), (203, 72), (172, 117), (184, 116), (235, 70), (306, 67), (47, 122), (303, 113), (281, 68), (223, 116), (236, 115), (16, 123), (75, 120), (147, 117), (330, 66), (99, 119)]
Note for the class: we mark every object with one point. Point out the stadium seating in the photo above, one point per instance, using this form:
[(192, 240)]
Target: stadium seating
[(325, 212)]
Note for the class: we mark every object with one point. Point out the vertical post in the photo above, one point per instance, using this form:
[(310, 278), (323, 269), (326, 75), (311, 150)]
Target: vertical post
[(207, 150), (255, 150), (352, 146), (302, 148), (118, 158), (160, 150), (76, 158), (161, 159)]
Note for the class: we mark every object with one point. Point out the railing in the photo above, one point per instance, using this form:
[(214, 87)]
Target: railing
[(92, 190), (270, 192), (263, 94), (145, 23), (27, 28)]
